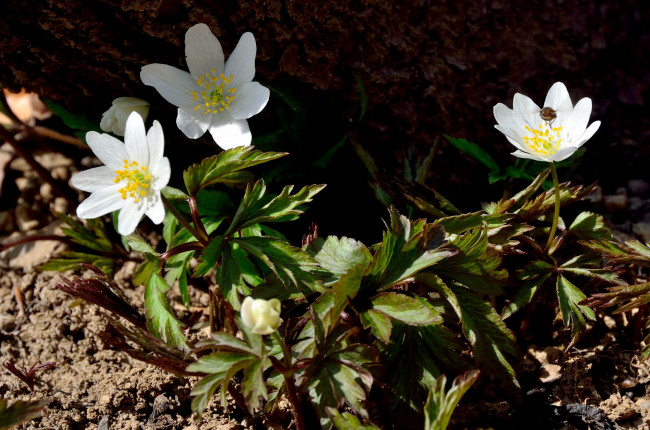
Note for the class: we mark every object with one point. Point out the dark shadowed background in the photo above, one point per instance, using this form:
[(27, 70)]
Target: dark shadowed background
[(427, 68)]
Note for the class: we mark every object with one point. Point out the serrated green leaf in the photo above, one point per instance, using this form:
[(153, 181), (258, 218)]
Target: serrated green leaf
[(291, 265), (160, 317), (407, 248), (253, 386), (218, 168), (70, 261), (589, 225), (93, 237), (440, 404), (573, 314), (256, 207), (19, 412), (219, 366), (491, 340), (340, 255), (625, 298)]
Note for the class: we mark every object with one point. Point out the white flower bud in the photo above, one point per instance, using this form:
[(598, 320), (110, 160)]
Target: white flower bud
[(261, 316), (114, 119)]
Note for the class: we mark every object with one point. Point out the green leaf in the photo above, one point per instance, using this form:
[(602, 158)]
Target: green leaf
[(344, 290), (491, 340), (256, 207), (140, 245), (625, 298), (474, 151), (340, 255), (461, 223), (524, 295), (347, 421), (219, 366), (440, 404), (292, 265), (378, 322), (218, 168), (94, 236), (409, 310), (589, 225), (78, 123), (160, 317), (229, 279), (19, 412), (172, 193), (71, 260), (209, 256), (407, 248), (573, 314)]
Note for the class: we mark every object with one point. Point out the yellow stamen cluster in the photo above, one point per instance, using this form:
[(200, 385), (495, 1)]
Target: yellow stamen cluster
[(214, 96), (137, 180), (545, 140)]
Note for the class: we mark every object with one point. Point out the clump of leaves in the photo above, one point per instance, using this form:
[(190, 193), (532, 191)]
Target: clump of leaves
[(19, 412)]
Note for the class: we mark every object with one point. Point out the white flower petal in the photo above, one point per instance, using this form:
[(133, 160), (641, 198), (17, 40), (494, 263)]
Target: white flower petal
[(241, 63), (576, 123), (558, 98), (162, 174), (522, 103), (135, 139), (95, 179), (510, 121), (108, 149), (156, 144), (173, 84), (193, 123), (563, 154), (249, 101), (588, 133), (202, 51), (247, 312), (101, 202), (230, 133), (156, 209), (129, 218), (522, 154)]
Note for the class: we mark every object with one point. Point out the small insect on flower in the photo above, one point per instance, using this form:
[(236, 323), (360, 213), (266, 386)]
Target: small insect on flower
[(548, 114), (131, 179), (551, 133)]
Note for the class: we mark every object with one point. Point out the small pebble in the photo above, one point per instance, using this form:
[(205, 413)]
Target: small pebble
[(7, 222), (635, 203), (46, 192), (60, 205), (616, 202), (638, 186), (25, 218), (61, 173)]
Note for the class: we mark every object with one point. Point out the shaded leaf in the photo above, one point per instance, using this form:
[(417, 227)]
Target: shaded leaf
[(573, 314), (19, 412), (440, 404), (160, 317)]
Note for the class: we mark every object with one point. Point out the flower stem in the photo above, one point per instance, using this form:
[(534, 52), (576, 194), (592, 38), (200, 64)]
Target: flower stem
[(181, 219), (288, 378), (197, 218), (556, 215)]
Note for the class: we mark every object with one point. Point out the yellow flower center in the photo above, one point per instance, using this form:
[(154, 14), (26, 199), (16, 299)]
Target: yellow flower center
[(213, 97), (545, 140), (137, 180)]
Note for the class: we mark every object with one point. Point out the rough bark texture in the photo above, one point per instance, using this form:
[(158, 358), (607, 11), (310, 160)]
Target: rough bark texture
[(428, 67)]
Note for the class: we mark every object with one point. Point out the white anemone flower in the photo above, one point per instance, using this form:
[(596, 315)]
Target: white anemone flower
[(261, 316), (131, 179), (114, 119), (212, 96), (551, 133)]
